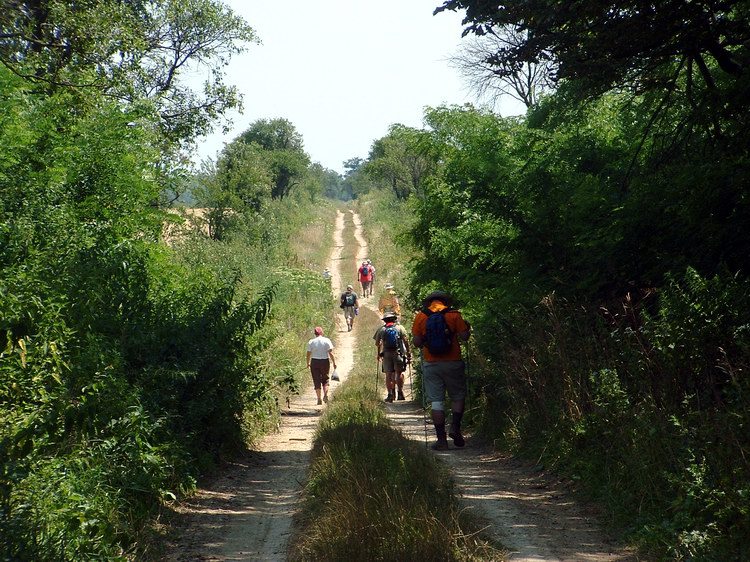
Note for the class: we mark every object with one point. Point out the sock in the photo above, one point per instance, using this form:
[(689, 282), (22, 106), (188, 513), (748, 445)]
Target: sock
[(440, 432), (456, 421)]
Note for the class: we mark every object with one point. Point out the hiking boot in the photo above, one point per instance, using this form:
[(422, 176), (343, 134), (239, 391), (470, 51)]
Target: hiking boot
[(440, 445), (320, 402), (458, 439), (401, 395), (389, 398)]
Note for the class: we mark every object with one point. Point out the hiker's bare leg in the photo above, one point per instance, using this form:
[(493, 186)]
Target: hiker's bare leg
[(325, 392), (389, 382), (438, 417)]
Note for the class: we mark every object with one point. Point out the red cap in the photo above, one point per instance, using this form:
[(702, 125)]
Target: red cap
[(318, 331)]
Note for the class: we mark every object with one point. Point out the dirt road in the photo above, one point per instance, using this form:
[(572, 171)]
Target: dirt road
[(246, 513)]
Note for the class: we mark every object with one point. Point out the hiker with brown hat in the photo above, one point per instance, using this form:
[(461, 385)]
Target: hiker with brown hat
[(394, 352), (436, 330)]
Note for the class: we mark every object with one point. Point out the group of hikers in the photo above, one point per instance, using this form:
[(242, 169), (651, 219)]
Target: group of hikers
[(436, 331)]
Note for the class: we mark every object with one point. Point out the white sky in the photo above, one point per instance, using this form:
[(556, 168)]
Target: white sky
[(342, 71)]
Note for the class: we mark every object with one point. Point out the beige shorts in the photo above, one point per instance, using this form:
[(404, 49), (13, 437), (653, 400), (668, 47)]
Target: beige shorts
[(440, 376), (393, 362)]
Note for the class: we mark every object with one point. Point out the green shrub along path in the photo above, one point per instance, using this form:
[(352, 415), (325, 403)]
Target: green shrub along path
[(245, 512), (248, 511)]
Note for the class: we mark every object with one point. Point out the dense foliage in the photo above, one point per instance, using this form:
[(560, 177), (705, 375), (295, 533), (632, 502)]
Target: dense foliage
[(128, 366), (599, 246)]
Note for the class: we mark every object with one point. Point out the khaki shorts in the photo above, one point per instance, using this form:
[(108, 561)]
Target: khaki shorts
[(442, 376), (349, 312), (393, 362)]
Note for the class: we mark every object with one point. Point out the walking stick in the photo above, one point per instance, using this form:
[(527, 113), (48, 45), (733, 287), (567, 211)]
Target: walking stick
[(411, 384), (424, 399), (377, 374)]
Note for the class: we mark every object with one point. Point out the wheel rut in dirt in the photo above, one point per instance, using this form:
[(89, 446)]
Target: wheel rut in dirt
[(529, 512)]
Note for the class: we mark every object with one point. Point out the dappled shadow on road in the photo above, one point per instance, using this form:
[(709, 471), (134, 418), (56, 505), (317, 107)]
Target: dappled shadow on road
[(242, 499), (530, 512)]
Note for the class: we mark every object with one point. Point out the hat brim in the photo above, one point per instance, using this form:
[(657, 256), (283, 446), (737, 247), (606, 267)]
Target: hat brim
[(441, 296)]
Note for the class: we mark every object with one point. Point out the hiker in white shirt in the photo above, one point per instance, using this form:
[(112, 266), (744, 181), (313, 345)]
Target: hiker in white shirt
[(319, 360)]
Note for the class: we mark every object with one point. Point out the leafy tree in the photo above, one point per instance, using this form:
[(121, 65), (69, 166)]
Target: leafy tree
[(285, 153), (332, 187), (121, 367), (608, 44), (320, 181), (234, 189), (133, 51), (355, 182), (243, 170), (399, 160)]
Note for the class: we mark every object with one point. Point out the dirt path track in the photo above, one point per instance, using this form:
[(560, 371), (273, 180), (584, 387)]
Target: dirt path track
[(246, 512), (530, 512)]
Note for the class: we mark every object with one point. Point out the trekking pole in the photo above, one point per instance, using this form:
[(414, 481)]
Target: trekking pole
[(377, 374), (424, 399), (411, 384), (468, 380)]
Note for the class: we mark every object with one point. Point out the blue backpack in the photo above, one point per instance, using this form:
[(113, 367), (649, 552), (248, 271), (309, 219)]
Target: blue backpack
[(391, 337), (438, 338)]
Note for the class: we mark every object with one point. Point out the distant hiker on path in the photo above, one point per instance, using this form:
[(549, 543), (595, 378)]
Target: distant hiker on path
[(436, 330), (394, 351), (327, 275), (319, 360), (389, 301), (350, 305), (365, 274)]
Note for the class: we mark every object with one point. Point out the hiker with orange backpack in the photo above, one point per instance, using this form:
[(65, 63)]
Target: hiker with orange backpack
[(389, 301), (436, 330), (394, 351)]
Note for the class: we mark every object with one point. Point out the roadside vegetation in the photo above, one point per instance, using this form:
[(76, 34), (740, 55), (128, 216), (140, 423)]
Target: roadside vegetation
[(130, 367), (598, 245)]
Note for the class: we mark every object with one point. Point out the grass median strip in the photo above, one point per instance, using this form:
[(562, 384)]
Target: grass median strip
[(372, 494)]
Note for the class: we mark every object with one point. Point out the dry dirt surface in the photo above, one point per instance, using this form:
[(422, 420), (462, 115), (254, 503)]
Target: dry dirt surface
[(246, 512)]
